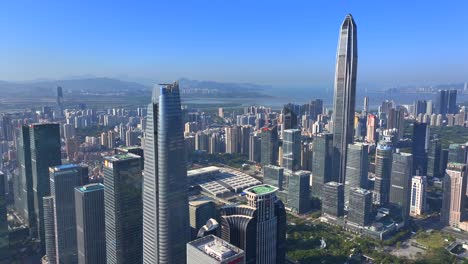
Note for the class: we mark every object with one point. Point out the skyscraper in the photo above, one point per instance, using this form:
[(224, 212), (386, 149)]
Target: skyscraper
[(292, 149), (357, 168), (4, 240), (371, 136), (442, 102), (90, 224), (49, 226), (418, 195), (256, 228), (419, 147), (289, 117), (123, 208), (453, 200), (322, 162), (383, 168), (433, 158), (63, 180), (274, 176), (45, 153), (400, 183), (269, 146), (452, 102), (255, 145), (333, 199), (165, 201), (345, 95), (59, 102), (299, 191), (233, 139), (360, 206)]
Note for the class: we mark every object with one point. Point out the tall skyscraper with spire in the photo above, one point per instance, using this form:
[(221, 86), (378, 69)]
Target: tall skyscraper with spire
[(345, 95), (165, 201)]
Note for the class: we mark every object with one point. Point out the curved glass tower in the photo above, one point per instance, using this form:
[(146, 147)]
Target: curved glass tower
[(165, 200), (345, 95)]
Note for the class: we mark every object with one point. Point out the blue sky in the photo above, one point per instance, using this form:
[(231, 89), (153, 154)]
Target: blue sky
[(284, 43)]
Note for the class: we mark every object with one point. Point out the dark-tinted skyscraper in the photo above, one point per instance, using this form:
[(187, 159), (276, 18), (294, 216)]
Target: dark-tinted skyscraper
[(123, 208), (433, 158), (357, 168), (400, 183), (292, 149), (165, 200), (49, 227), (322, 162), (452, 102), (289, 117), (63, 180), (333, 199), (273, 175), (24, 198), (269, 150), (90, 224), (442, 102), (420, 107), (299, 191), (457, 153), (345, 95), (360, 206), (45, 153), (383, 169), (4, 240), (420, 134)]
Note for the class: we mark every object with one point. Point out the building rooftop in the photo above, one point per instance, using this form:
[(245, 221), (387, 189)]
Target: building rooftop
[(456, 166), (262, 189), (65, 167), (90, 187), (217, 248), (118, 157), (334, 183)]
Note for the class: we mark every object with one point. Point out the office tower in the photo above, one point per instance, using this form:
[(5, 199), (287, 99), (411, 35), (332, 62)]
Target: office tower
[(357, 168), (321, 162), (419, 146), (400, 183), (289, 117), (433, 158), (453, 200), (166, 217), (457, 153), (420, 107), (442, 102), (345, 95), (59, 101), (202, 141), (418, 195), (429, 107), (383, 168), (244, 139), (269, 146), (256, 228), (90, 224), (333, 199), (200, 211), (7, 127), (292, 149), (49, 226), (371, 136), (299, 192), (123, 208), (452, 107), (111, 138), (4, 239), (104, 139), (213, 250), (255, 144), (45, 153), (221, 112), (315, 108), (307, 155), (63, 180), (365, 109), (274, 176), (360, 206), (233, 139), (24, 201), (443, 161)]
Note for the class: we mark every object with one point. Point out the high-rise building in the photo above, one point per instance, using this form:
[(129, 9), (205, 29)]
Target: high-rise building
[(292, 149), (420, 107), (321, 162), (256, 228), (418, 195), (442, 102), (49, 226), (59, 102), (457, 153), (165, 201), (419, 147), (433, 158), (63, 180), (233, 139), (360, 206), (289, 117), (333, 199), (452, 107), (400, 183), (383, 168), (274, 176), (90, 224), (213, 250), (255, 144), (357, 168), (200, 211), (45, 153), (244, 139), (123, 208), (454, 194), (4, 239), (365, 109), (345, 95), (299, 191), (24, 199), (269, 146)]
